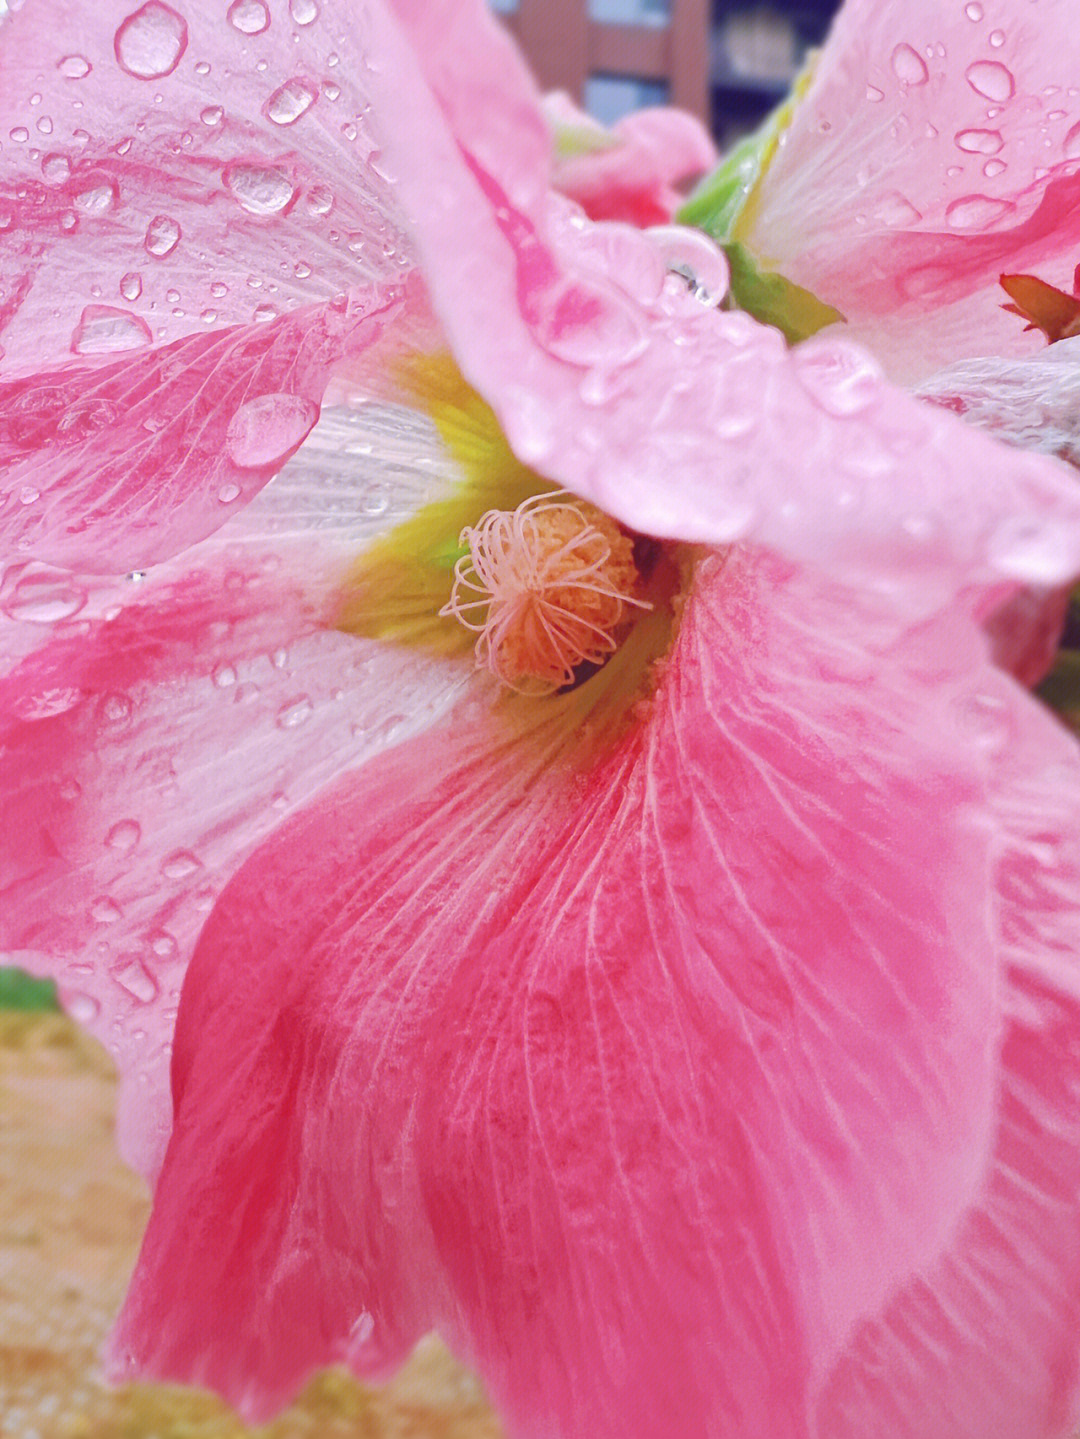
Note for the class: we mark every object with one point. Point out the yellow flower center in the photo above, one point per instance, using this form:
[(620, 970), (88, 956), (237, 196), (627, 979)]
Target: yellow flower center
[(547, 588)]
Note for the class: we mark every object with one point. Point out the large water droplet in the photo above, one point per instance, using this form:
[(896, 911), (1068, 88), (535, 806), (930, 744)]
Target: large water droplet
[(124, 835), (103, 330), (979, 142), (303, 12), (74, 67), (212, 115), (1071, 145), (992, 80), (294, 713), (250, 17), (162, 236), (977, 212), (56, 168), (131, 285), (43, 595), (181, 864), (909, 67), (290, 101), (105, 910), (265, 431), (151, 41), (842, 379), (896, 211), (132, 975), (83, 1008), (974, 11), (258, 188), (98, 198), (693, 255)]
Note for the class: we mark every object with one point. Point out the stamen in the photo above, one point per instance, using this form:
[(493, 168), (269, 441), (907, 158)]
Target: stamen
[(546, 588)]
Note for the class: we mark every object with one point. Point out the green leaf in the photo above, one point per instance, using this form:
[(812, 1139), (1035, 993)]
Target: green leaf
[(774, 300), (22, 991)]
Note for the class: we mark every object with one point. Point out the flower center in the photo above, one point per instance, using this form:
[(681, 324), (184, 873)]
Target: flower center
[(547, 588)]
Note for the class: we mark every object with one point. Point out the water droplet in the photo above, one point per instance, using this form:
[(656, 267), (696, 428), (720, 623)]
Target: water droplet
[(993, 168), (974, 11), (896, 211), (105, 910), (304, 12), (992, 80), (163, 944), (229, 493), (979, 142), (114, 712), (250, 17), (74, 67), (162, 236), (43, 596), (98, 198), (103, 330), (997, 38), (224, 676), (320, 200), (1071, 145), (289, 102), (977, 212), (151, 41), (132, 975), (44, 125), (693, 255), (266, 430), (56, 168), (294, 713), (262, 314), (124, 835), (181, 864), (83, 1008), (874, 95), (908, 66), (131, 285), (219, 289), (259, 189), (212, 115), (20, 134)]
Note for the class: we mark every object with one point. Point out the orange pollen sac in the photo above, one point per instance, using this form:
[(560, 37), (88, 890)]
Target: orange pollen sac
[(546, 587)]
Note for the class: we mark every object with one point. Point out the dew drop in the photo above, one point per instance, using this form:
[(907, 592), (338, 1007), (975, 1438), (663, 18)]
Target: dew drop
[(320, 200), (979, 142), (224, 677), (974, 11), (977, 212), (896, 211), (303, 12), (1034, 550), (45, 125), (132, 975), (1071, 144), (265, 431), (162, 236), (56, 168), (840, 378), (20, 134), (104, 910), (219, 289), (294, 713), (131, 285), (874, 95), (250, 17), (104, 330), (908, 66), (993, 168), (693, 255), (997, 38), (83, 1008), (151, 41), (212, 115), (74, 67), (289, 102), (99, 198), (181, 864), (124, 835), (43, 596), (259, 189), (114, 712), (229, 493), (992, 80), (163, 944)]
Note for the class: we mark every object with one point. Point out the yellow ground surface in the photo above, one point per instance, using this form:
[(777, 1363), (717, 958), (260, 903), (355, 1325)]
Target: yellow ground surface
[(70, 1220)]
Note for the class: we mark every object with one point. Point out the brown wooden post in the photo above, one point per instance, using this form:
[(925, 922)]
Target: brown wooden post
[(555, 36), (690, 57)]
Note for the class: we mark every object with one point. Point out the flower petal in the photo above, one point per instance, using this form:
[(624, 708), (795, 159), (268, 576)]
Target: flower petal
[(678, 420), (646, 1085), (936, 147)]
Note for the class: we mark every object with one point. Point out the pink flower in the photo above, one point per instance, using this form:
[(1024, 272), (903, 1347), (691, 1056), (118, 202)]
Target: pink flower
[(937, 147), (695, 1049)]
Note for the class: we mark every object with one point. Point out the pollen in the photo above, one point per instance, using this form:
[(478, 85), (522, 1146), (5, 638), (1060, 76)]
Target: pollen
[(547, 587)]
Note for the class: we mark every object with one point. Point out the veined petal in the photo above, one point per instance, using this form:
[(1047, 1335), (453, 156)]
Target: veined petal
[(936, 147), (711, 978)]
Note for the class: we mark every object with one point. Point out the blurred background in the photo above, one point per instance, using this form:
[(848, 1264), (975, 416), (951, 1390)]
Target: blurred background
[(727, 61)]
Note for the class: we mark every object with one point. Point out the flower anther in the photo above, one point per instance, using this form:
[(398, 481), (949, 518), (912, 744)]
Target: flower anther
[(546, 588)]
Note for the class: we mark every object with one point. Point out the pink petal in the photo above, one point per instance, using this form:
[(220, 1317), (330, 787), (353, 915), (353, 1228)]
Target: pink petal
[(647, 1086), (937, 147), (984, 1341), (679, 420), (143, 754), (639, 171), (117, 465)]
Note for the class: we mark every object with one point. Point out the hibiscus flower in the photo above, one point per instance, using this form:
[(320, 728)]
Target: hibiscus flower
[(692, 1044)]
